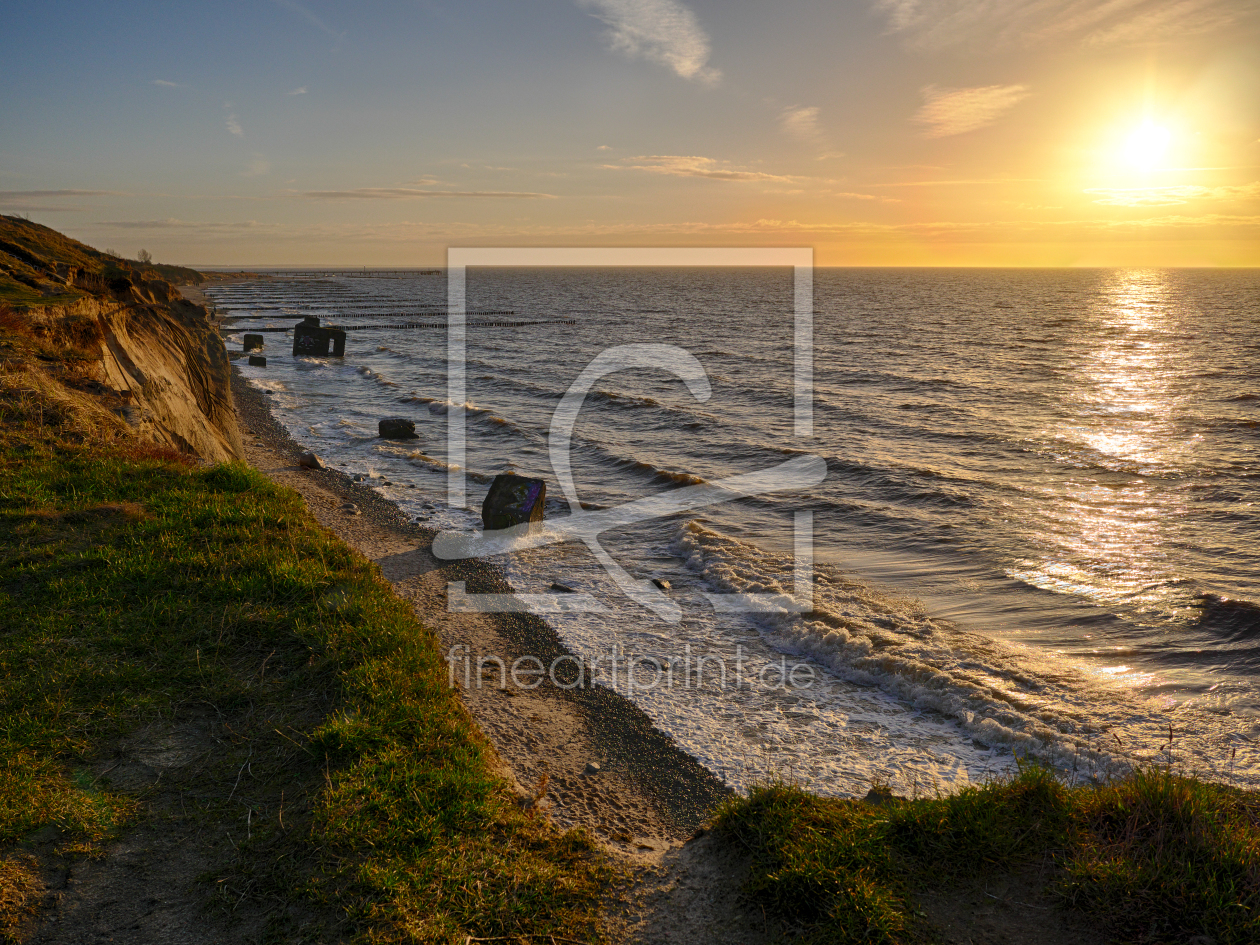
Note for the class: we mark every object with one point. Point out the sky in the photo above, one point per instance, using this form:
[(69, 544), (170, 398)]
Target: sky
[(879, 132)]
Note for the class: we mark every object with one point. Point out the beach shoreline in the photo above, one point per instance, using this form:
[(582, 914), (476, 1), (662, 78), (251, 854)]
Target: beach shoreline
[(648, 794)]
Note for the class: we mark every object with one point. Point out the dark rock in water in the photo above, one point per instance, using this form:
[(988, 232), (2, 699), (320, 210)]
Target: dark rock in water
[(257, 360), (253, 342), (562, 588), (359, 478), (311, 461), (663, 585), (513, 500), (311, 341), (397, 428)]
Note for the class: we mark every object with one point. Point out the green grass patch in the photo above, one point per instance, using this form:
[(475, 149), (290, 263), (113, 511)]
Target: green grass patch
[(20, 295), (1155, 857), (137, 590)]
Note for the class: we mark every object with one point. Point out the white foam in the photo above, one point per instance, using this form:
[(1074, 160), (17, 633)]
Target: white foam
[(1006, 697)]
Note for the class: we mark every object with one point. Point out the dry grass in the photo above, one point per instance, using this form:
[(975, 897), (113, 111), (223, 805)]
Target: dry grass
[(21, 889), (31, 400)]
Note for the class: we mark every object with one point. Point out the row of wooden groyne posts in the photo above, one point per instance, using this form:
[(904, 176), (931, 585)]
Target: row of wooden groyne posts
[(313, 340)]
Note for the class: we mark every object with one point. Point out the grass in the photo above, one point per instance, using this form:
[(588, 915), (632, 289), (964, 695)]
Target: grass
[(139, 593), (1153, 857)]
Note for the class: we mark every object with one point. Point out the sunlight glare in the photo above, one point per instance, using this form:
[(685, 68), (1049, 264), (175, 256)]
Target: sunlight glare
[(1147, 145)]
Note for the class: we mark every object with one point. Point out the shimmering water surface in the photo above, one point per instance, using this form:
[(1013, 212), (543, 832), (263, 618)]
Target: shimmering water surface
[(1038, 532)]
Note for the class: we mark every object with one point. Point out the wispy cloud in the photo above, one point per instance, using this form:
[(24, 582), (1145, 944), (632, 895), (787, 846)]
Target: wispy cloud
[(1238, 226), (661, 31), (677, 165), (20, 194), (850, 195), (1171, 196), (972, 182), (258, 166), (941, 23), (171, 223), (800, 122), (603, 147), (955, 111), (28, 200), (169, 85), (409, 193), (233, 126), (300, 90), (294, 7)]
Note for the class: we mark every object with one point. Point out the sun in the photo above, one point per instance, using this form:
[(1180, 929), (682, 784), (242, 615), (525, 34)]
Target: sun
[(1146, 147)]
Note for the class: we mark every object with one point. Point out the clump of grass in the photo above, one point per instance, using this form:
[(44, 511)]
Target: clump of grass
[(1155, 856), (1164, 857), (137, 589), (20, 889), (31, 401)]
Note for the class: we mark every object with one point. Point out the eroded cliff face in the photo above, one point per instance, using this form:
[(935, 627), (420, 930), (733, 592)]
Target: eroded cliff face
[(178, 371), (152, 358), (112, 338)]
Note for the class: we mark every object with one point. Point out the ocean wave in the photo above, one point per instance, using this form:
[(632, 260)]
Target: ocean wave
[(616, 397), (624, 400), (268, 384), (1233, 618), (432, 462), (869, 639), (659, 473), (441, 408), (913, 486), (375, 376)]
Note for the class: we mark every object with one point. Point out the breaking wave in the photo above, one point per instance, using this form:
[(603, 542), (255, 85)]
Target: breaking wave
[(375, 376), (870, 639)]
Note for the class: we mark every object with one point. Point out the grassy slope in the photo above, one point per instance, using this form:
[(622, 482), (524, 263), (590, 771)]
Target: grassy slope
[(1154, 858), (136, 589), (30, 254)]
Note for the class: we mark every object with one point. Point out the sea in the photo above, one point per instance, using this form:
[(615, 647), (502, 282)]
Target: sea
[(1032, 533)]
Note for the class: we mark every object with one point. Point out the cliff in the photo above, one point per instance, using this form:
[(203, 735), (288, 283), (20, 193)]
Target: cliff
[(109, 345)]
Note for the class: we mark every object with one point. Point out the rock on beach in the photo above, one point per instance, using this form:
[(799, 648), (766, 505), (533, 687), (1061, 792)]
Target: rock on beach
[(397, 428)]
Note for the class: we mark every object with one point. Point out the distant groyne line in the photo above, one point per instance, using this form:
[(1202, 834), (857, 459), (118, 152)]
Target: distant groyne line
[(358, 274), (335, 309), (443, 325)]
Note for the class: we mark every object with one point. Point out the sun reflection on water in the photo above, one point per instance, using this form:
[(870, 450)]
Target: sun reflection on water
[(1106, 524)]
